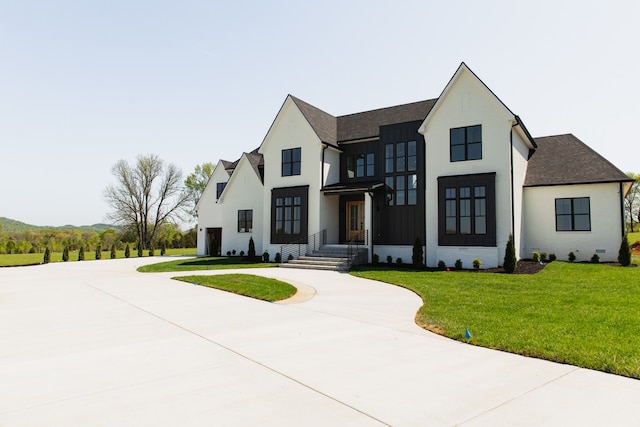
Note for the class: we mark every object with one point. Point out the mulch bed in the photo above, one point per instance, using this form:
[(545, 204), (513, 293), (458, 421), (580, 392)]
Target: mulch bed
[(635, 248), (523, 267)]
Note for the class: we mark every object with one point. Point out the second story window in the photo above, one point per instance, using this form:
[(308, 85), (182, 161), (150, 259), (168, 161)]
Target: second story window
[(400, 164), (466, 143), (291, 161), (220, 188), (361, 165)]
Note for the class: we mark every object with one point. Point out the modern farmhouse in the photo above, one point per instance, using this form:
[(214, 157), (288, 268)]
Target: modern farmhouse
[(460, 172)]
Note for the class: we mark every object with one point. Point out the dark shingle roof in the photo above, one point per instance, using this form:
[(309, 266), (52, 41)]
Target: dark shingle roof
[(256, 160), (324, 124), (564, 159), (367, 124)]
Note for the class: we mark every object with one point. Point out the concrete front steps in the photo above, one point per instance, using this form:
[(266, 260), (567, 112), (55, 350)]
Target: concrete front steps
[(328, 257)]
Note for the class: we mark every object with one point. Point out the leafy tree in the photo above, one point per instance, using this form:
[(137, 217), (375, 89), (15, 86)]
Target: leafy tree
[(510, 260), (624, 254), (146, 196), (632, 200), (195, 184)]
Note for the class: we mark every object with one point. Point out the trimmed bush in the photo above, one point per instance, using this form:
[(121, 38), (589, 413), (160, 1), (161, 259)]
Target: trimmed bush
[(458, 264), (152, 251), (552, 257), (81, 254), (127, 251), (535, 257), (477, 263), (624, 254), (389, 259), (113, 251), (290, 257), (233, 252), (399, 261), (251, 252), (418, 252), (265, 256), (595, 259), (572, 257), (99, 251), (228, 253), (442, 265), (278, 257), (510, 261), (65, 254), (140, 250), (163, 249), (543, 257), (242, 253), (47, 255), (376, 259)]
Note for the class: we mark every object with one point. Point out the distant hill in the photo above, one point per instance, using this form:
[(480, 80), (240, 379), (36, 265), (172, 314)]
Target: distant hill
[(11, 226)]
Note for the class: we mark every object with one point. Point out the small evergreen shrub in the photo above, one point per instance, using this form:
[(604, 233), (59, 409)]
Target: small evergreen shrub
[(163, 249), (47, 255), (278, 257), (624, 254), (418, 252), (543, 257), (127, 251), (442, 265), (241, 253), (595, 259), (251, 252), (399, 261), (376, 259), (477, 263), (65, 254), (228, 253), (140, 250), (99, 251), (233, 252), (535, 257), (81, 254), (389, 259), (265, 256), (510, 261), (552, 257), (572, 257), (152, 251), (458, 264), (290, 257), (113, 251)]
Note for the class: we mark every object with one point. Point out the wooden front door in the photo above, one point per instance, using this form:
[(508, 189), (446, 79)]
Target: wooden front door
[(355, 220)]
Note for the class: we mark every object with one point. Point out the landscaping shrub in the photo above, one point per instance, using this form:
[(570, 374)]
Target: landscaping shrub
[(151, 251), (572, 257), (139, 250), (543, 257), (251, 252), (233, 252), (99, 251), (535, 257), (458, 264), (418, 252), (624, 254), (113, 251), (265, 256), (595, 259), (127, 251), (389, 259), (81, 254), (510, 261), (65, 254), (442, 265), (163, 249), (477, 263), (278, 257), (47, 255), (376, 258), (552, 257), (242, 253), (399, 261), (290, 257), (228, 253)]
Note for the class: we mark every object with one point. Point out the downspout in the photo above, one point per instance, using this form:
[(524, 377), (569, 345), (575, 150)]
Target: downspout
[(513, 209), (624, 221)]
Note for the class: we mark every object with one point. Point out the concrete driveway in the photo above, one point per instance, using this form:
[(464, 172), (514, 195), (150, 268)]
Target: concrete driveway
[(96, 343)]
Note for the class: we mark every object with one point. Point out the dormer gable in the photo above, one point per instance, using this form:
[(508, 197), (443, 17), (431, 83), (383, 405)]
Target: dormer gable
[(246, 172)]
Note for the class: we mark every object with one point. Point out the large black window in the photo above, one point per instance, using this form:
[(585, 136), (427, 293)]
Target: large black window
[(400, 166), (291, 161), (245, 221), (361, 165), (289, 213), (467, 210), (573, 214), (220, 188), (466, 143)]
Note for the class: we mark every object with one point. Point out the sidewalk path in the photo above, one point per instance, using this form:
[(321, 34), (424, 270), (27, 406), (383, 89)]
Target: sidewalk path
[(95, 343)]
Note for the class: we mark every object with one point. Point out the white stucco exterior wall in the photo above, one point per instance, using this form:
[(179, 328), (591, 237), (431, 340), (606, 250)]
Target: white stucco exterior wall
[(467, 102), (606, 222), (520, 161), (210, 212)]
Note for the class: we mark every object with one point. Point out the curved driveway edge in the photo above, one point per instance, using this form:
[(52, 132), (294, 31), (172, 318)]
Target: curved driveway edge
[(96, 343)]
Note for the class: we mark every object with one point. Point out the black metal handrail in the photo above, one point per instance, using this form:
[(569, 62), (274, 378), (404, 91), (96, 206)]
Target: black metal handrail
[(353, 250), (304, 246)]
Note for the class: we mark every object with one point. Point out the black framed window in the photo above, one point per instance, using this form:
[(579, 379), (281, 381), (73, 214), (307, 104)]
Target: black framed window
[(220, 188), (291, 161), (573, 214), (401, 161), (467, 213), (466, 143), (245, 221), (361, 165), (289, 213)]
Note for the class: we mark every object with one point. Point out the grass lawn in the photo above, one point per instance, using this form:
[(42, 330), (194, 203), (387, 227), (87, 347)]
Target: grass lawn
[(633, 237), (7, 260), (581, 314), (245, 284), (207, 263)]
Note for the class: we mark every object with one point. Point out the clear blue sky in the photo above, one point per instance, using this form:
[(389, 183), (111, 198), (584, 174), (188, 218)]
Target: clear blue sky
[(85, 84)]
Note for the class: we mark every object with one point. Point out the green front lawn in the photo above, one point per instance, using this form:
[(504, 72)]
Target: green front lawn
[(245, 284), (581, 314), (9, 260), (208, 263)]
